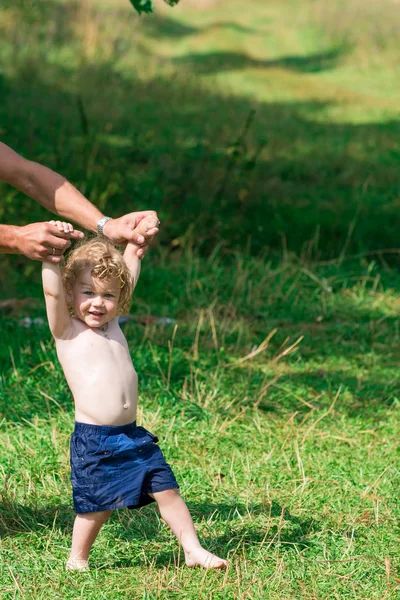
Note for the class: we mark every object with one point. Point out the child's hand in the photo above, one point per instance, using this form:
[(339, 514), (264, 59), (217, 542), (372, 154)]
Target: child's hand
[(65, 229), (148, 227), (124, 230), (63, 226)]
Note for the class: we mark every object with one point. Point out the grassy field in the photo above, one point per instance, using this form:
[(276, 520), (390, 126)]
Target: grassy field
[(261, 127), (267, 139)]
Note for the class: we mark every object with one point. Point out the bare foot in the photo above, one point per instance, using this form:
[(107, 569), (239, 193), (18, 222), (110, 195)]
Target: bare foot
[(77, 564), (205, 559)]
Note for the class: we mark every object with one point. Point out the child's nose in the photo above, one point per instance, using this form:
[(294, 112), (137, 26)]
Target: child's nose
[(98, 301)]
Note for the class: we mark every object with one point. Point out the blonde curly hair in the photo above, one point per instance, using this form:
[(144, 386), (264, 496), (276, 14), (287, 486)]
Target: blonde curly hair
[(104, 261)]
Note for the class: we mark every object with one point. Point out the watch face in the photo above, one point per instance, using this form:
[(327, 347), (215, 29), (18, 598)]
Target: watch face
[(101, 224)]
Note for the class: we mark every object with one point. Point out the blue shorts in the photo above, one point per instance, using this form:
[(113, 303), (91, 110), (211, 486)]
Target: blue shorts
[(113, 467)]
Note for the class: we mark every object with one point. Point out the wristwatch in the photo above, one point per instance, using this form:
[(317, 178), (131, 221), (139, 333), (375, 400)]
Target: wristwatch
[(101, 224)]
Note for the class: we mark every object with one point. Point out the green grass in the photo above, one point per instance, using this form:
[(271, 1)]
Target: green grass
[(286, 453), (267, 139), (246, 127)]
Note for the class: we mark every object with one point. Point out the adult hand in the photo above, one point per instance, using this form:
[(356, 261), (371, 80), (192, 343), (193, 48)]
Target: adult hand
[(41, 241), (122, 230)]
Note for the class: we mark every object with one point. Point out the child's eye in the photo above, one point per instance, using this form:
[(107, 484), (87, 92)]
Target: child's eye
[(109, 295), (88, 293)]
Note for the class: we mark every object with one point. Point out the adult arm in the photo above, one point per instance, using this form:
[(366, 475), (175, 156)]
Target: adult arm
[(39, 241), (48, 188), (57, 195)]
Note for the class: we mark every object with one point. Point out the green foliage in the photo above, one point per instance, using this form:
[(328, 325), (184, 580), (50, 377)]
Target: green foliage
[(267, 139), (186, 124), (147, 6), (143, 6)]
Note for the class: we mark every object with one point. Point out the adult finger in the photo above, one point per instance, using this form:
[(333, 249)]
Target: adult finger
[(58, 238), (64, 229), (48, 252), (54, 259), (58, 243), (75, 235)]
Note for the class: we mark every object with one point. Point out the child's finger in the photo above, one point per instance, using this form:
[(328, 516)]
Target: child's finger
[(152, 232), (68, 228), (60, 225), (65, 227), (153, 224)]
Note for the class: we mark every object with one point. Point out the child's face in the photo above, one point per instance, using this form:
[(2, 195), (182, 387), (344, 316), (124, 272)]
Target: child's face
[(95, 301)]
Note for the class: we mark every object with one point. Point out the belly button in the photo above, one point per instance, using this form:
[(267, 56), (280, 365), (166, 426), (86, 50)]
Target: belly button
[(126, 405)]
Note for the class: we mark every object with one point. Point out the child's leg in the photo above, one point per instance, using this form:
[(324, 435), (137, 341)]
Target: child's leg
[(86, 528), (177, 516)]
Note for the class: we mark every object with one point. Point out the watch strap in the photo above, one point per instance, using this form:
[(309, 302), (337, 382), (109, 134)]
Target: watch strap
[(101, 223)]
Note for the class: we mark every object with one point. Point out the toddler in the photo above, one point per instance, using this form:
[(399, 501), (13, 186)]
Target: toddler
[(114, 462)]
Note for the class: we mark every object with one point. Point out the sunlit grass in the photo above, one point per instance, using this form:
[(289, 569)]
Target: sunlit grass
[(275, 400), (223, 117), (265, 327)]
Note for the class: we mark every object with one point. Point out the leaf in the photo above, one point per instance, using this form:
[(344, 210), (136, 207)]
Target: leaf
[(146, 6), (143, 6)]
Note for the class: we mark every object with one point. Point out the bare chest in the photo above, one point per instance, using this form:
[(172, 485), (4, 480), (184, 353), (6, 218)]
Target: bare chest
[(94, 350)]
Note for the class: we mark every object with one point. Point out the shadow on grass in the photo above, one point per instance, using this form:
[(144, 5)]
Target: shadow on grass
[(368, 395), (16, 518), (360, 362), (218, 168), (201, 159), (281, 526), (215, 170), (167, 28), (226, 61)]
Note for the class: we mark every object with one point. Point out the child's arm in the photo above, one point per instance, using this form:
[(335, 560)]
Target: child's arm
[(56, 304), (54, 293), (133, 261), (148, 226)]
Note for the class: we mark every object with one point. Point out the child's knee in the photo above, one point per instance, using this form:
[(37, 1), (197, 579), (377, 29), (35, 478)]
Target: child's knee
[(98, 517), (105, 515), (166, 494)]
